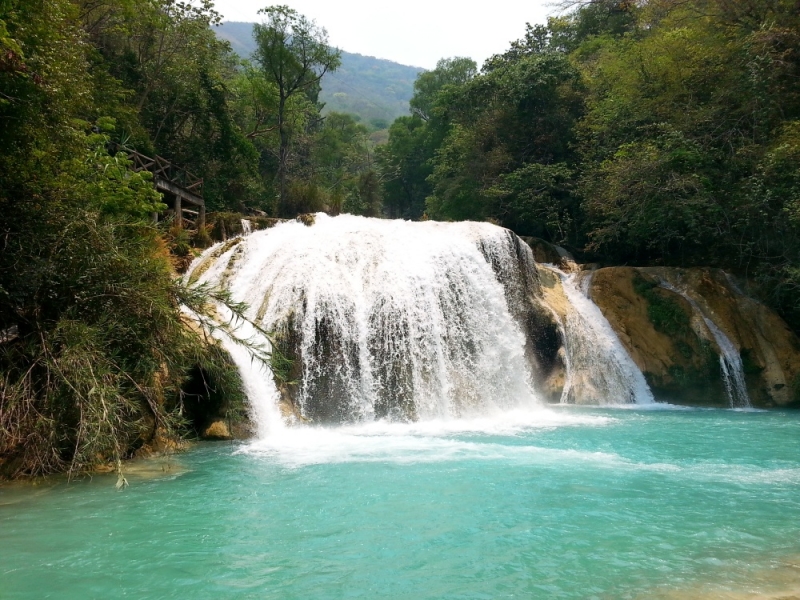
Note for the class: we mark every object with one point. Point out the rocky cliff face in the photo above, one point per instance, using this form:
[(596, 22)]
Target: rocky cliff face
[(553, 379), (673, 322), (662, 316)]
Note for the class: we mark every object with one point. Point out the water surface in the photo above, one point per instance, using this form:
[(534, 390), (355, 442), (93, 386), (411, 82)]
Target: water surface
[(566, 503)]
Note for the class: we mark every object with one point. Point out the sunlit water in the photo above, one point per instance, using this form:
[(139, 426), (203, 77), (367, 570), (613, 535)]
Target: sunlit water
[(570, 503)]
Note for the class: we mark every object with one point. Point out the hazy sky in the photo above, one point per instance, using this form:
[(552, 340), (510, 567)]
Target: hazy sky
[(411, 32)]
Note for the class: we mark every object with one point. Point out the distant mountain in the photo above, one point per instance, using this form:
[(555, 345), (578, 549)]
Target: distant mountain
[(376, 90)]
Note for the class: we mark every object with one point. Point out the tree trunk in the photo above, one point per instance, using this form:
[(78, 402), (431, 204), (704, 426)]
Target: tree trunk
[(283, 156)]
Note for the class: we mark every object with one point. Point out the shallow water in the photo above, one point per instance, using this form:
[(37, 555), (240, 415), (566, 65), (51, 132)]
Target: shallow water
[(564, 503)]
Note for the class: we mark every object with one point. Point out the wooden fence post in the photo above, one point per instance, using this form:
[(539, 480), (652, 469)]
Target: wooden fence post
[(178, 211)]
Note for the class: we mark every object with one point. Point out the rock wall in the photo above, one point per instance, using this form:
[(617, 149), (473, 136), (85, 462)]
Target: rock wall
[(552, 380), (672, 345), (667, 335)]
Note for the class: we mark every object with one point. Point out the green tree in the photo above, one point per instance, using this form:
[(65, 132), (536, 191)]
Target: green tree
[(683, 112), (651, 200), (93, 347), (589, 20), (161, 72), (519, 115), (293, 54), (369, 194), (537, 199), (341, 156), (449, 71), (404, 163)]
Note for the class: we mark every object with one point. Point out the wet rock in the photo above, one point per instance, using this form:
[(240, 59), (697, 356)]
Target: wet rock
[(307, 219), (218, 430), (554, 301), (673, 346), (545, 252)]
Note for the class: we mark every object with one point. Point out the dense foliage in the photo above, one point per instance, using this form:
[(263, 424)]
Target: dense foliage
[(657, 132), (94, 350)]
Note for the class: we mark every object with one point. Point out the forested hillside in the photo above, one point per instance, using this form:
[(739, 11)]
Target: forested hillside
[(375, 90)]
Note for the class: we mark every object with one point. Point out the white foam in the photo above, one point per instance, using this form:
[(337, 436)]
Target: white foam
[(510, 439), (600, 370), (424, 441), (392, 318)]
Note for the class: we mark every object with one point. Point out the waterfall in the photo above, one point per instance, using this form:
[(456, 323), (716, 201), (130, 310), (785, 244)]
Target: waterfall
[(247, 227), (384, 319), (599, 369), (730, 361)]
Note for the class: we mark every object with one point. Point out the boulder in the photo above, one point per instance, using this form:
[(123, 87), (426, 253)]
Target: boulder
[(545, 252), (217, 430)]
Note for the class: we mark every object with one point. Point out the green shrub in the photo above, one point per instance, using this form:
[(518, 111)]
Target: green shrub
[(224, 225), (102, 349), (666, 315)]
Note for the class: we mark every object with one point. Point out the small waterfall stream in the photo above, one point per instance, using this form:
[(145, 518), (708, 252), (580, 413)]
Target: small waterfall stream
[(730, 361), (599, 369)]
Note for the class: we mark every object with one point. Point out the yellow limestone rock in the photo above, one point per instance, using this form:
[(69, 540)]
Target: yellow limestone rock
[(218, 430), (681, 364)]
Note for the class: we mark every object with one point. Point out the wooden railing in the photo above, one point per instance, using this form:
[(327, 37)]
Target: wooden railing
[(168, 178)]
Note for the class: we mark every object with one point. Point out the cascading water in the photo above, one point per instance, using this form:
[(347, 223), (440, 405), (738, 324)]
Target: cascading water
[(247, 227), (599, 369), (387, 319), (730, 361)]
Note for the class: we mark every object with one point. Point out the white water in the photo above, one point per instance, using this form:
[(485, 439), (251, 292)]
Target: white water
[(392, 319), (730, 361), (599, 369), (423, 441), (247, 227)]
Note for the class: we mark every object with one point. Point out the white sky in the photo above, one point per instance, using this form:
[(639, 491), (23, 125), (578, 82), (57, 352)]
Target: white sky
[(411, 32)]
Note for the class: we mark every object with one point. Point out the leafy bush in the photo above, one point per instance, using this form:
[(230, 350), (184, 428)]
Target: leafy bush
[(666, 315), (102, 350)]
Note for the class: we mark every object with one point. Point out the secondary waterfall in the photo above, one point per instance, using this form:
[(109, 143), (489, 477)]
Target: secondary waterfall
[(387, 319), (599, 369), (730, 361)]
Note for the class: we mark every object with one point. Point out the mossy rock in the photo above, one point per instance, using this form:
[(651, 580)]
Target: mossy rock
[(214, 393), (307, 219), (749, 364), (217, 430), (656, 327), (664, 312), (543, 252)]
